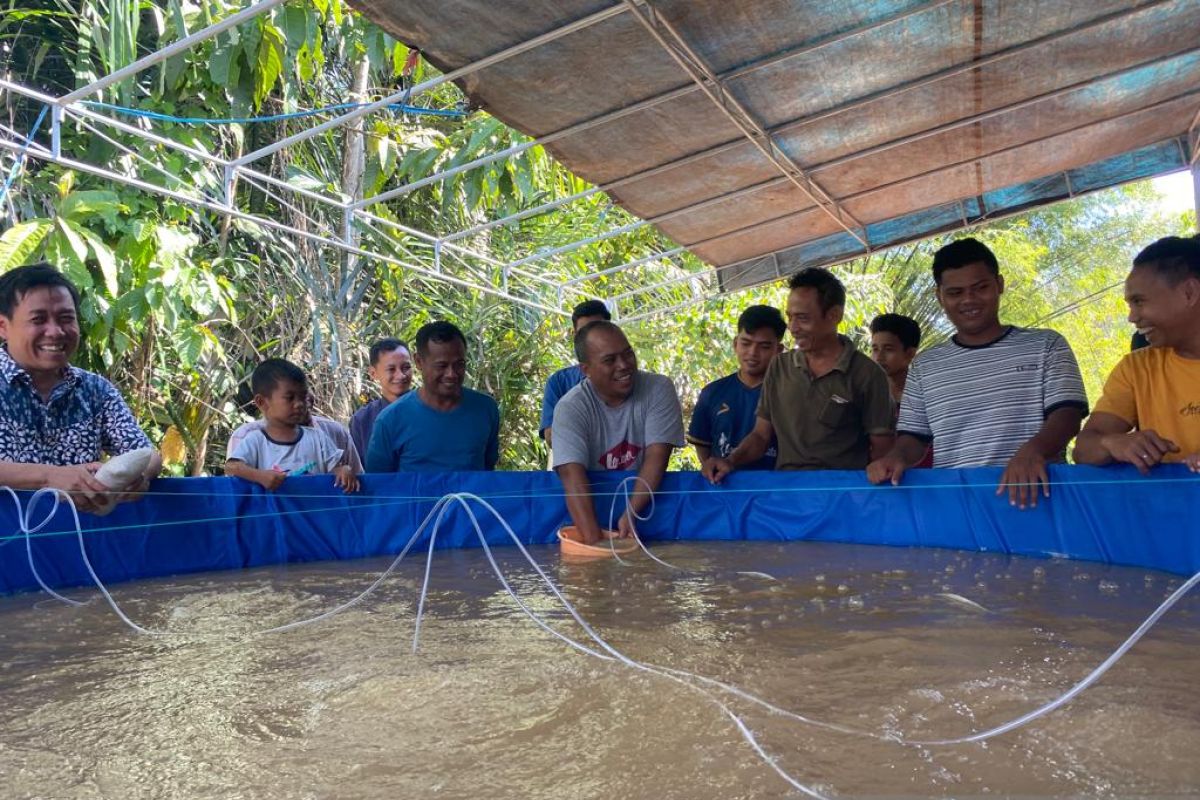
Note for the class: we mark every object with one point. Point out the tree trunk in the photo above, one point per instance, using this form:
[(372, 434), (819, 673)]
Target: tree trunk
[(353, 163)]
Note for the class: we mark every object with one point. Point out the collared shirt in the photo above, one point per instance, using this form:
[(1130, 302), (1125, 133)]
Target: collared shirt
[(84, 418), (825, 422)]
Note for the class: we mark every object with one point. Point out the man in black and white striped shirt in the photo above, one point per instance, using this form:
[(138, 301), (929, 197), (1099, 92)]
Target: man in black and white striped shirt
[(993, 395)]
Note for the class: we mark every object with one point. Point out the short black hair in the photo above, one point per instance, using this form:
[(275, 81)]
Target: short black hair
[(270, 372), (755, 318), (441, 332), (960, 253), (903, 328), (16, 283), (382, 346), (830, 291), (590, 308), (581, 336), (1173, 257)]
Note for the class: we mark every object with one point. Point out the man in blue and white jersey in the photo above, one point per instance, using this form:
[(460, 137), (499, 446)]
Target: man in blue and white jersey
[(726, 411), (994, 394)]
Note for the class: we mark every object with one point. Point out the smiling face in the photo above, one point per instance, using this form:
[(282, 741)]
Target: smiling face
[(43, 331), (443, 369), (754, 351), (810, 326), (611, 365), (970, 296), (393, 372), (1163, 312)]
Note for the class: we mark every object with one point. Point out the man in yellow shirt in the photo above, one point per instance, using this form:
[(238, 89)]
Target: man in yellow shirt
[(1150, 410)]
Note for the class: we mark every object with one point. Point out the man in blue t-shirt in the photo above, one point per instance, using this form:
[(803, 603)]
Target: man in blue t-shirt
[(726, 410), (568, 378), (442, 426)]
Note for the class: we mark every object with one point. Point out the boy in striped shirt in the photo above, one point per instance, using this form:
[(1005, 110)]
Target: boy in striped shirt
[(994, 394)]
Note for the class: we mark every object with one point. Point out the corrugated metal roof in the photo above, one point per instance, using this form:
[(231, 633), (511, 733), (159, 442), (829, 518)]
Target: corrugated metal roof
[(767, 135)]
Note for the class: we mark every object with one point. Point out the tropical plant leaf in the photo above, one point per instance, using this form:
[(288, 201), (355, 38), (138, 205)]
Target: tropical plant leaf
[(106, 259), (268, 63), (20, 242), (78, 206)]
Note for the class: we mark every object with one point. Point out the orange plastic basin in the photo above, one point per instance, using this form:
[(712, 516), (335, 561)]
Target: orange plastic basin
[(570, 544)]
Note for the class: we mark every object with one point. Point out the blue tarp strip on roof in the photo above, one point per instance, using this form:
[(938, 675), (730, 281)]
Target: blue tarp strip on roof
[(1108, 515), (1146, 162)]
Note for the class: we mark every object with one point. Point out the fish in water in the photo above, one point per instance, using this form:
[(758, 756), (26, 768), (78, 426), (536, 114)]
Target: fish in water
[(959, 600), (763, 575)]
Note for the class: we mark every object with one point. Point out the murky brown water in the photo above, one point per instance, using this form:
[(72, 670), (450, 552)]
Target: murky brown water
[(493, 707)]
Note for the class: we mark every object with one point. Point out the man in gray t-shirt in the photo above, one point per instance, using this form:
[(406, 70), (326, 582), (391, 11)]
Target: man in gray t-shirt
[(618, 418)]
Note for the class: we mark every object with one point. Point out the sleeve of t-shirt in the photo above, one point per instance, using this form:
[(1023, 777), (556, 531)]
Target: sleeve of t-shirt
[(913, 418), (248, 450), (700, 428), (344, 441), (764, 397), (492, 456), (329, 455), (570, 425), (664, 417), (351, 458), (550, 398), (1064, 384), (878, 415), (119, 432), (1118, 398), (358, 430), (381, 456)]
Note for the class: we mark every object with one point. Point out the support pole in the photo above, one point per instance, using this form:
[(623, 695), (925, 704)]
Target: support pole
[(56, 118), (1196, 190)]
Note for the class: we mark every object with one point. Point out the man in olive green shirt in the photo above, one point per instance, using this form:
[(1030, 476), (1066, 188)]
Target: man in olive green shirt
[(827, 405)]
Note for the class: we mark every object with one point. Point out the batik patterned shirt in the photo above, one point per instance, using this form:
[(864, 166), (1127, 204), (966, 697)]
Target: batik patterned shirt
[(84, 417)]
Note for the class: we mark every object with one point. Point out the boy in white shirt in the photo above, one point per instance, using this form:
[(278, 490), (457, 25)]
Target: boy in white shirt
[(284, 446)]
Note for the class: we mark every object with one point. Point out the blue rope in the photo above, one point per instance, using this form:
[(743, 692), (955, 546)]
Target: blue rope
[(404, 108), (20, 160)]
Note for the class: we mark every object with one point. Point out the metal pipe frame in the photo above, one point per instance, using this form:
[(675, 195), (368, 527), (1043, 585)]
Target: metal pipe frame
[(656, 100), (170, 50), (654, 312), (667, 254), (235, 171), (691, 276), (370, 219), (542, 255), (920, 135), (520, 215), (218, 208), (483, 63), (671, 41)]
